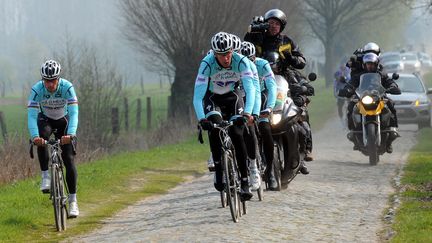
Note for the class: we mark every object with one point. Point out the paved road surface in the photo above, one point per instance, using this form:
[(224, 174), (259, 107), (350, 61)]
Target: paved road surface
[(342, 200)]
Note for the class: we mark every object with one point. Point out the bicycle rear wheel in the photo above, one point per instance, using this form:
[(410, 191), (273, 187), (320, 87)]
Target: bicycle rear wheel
[(231, 185)]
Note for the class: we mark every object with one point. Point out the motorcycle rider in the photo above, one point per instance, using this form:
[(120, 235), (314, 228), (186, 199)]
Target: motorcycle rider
[(371, 65), (268, 101), (216, 98), (250, 133), (341, 77), (355, 63), (266, 34)]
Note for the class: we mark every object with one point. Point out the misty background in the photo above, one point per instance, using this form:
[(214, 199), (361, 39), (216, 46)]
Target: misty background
[(33, 30)]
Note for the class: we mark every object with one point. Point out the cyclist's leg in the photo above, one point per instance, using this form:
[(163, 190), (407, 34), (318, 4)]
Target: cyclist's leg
[(266, 135), (45, 131), (267, 141), (235, 108), (71, 172), (67, 154), (213, 114), (250, 141)]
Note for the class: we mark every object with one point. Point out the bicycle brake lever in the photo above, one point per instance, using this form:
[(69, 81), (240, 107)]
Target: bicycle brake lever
[(31, 149), (200, 137)]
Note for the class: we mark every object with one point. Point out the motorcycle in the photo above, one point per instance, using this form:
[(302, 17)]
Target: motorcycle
[(284, 127), (371, 118)]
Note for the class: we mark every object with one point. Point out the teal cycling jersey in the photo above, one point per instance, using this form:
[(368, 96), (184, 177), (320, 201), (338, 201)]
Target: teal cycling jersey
[(218, 80), (54, 105), (267, 80), (256, 82)]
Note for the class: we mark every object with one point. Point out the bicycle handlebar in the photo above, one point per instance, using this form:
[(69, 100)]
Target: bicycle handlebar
[(52, 142)]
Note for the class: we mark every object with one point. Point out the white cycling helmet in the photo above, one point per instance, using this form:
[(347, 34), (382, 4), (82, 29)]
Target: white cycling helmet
[(222, 42), (236, 43), (247, 49), (50, 70), (371, 47)]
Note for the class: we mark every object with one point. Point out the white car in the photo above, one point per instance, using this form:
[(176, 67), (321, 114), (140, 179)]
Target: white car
[(411, 62), (413, 105), (392, 62)]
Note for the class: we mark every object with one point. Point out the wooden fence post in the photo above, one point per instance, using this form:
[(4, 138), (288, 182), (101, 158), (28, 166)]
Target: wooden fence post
[(126, 108), (169, 107), (138, 114), (115, 120), (3, 126), (149, 113)]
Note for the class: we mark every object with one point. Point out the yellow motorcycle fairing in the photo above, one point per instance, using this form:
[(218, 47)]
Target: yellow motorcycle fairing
[(374, 112)]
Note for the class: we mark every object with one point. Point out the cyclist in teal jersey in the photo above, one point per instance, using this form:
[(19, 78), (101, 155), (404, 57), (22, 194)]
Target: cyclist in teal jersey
[(53, 108), (268, 101), (217, 98), (250, 135)]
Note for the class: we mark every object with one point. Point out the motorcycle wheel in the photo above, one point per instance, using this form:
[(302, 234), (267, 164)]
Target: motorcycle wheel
[(371, 144)]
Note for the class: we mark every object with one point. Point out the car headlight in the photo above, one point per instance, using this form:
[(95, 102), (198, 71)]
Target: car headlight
[(276, 118), (420, 102), (417, 64), (367, 100)]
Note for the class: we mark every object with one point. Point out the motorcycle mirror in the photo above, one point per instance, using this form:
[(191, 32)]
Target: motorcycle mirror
[(395, 76), (312, 76)]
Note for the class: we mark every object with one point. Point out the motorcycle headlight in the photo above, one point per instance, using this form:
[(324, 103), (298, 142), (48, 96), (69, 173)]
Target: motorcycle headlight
[(276, 118), (367, 100)]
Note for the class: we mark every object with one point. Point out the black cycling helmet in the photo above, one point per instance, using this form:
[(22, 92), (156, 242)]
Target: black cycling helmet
[(276, 14), (274, 60)]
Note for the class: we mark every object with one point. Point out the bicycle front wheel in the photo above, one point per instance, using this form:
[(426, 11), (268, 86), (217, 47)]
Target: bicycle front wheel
[(231, 185), (63, 211), (56, 197)]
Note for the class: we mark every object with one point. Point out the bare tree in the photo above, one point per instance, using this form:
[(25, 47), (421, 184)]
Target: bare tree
[(329, 19), (176, 35), (98, 87)]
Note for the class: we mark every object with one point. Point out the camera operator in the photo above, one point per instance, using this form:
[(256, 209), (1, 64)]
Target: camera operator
[(266, 34)]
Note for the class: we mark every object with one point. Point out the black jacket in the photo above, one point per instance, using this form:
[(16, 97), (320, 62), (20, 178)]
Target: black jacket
[(290, 53)]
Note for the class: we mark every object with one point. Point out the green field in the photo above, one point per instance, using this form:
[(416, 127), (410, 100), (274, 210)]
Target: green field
[(15, 116), (104, 187), (413, 222)]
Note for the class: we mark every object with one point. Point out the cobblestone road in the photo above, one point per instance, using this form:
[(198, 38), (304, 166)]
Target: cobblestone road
[(342, 200)]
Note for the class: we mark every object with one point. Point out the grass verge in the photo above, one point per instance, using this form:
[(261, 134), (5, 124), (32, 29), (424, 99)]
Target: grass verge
[(323, 105), (413, 221), (105, 187)]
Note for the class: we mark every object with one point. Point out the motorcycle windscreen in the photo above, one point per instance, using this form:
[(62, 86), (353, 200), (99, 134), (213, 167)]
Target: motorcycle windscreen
[(370, 83), (281, 92)]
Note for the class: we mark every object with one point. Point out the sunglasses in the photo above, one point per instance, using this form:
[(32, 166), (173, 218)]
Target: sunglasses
[(49, 80)]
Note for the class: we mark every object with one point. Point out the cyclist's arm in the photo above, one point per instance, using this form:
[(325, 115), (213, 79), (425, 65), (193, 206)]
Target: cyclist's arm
[(201, 84), (270, 83), (256, 82), (32, 114), (72, 109), (246, 77)]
